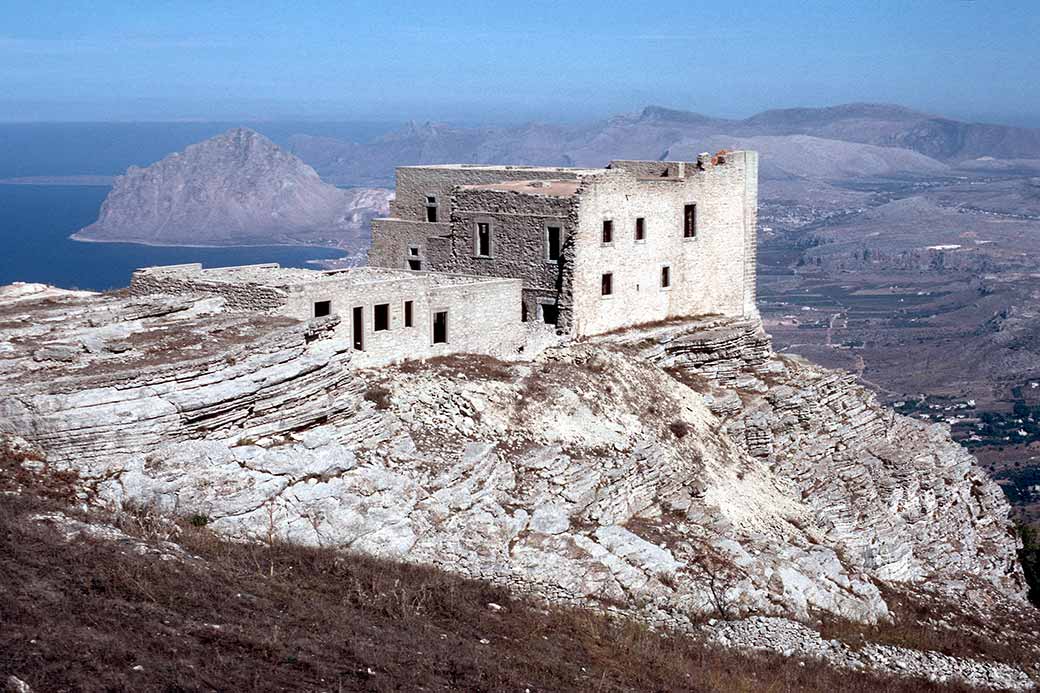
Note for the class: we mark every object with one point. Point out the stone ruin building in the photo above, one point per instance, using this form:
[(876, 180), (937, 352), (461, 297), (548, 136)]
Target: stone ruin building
[(597, 249), (478, 259)]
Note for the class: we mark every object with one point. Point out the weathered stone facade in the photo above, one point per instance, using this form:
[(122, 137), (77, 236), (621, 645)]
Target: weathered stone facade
[(385, 315), (682, 239)]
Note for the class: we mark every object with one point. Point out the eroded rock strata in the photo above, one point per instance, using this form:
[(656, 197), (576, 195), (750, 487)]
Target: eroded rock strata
[(666, 472)]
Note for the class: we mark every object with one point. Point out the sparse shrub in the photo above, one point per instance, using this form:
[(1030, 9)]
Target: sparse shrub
[(379, 396), (199, 520), (246, 440), (1029, 555), (718, 575), (680, 429)]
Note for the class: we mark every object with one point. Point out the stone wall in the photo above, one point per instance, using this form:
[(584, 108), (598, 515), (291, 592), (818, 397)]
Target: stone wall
[(483, 313), (392, 239), (519, 246), (179, 279), (416, 183), (709, 273), (653, 169), (483, 316)]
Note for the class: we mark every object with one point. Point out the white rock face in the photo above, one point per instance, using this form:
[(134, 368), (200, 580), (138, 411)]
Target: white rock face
[(764, 486)]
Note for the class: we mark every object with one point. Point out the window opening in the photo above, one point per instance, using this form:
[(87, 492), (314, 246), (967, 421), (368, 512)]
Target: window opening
[(381, 317)]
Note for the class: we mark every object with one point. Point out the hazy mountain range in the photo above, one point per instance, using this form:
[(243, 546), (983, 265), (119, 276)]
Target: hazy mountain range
[(817, 143), (241, 188)]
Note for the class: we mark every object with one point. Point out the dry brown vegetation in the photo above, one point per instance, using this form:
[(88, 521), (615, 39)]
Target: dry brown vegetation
[(471, 366), (91, 616), (379, 396), (1003, 633)]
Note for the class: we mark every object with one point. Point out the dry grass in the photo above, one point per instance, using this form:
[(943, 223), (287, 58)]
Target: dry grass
[(997, 634), (83, 616), (379, 396), (470, 366)]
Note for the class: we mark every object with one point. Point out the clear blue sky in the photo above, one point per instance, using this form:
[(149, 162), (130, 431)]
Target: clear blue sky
[(512, 61)]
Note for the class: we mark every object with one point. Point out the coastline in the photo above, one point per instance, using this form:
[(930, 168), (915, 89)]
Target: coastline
[(86, 181), (76, 237)]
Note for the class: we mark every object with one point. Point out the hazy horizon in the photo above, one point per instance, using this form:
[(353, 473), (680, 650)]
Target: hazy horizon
[(471, 62)]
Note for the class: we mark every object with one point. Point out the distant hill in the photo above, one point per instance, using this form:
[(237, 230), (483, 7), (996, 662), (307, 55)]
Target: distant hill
[(849, 140), (802, 156), (237, 188)]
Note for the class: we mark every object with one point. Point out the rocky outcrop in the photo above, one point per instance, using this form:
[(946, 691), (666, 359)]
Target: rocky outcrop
[(96, 379), (668, 473), (238, 188)]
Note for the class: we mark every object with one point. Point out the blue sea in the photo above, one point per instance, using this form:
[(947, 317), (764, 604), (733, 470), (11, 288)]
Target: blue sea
[(35, 223)]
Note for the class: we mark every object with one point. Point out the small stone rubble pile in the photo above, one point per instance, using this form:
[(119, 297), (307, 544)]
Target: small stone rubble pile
[(797, 640)]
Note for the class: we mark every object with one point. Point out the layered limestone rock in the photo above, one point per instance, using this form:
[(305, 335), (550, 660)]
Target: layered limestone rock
[(92, 380), (901, 499), (666, 472)]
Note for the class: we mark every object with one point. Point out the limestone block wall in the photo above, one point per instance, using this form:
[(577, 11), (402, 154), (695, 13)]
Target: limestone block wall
[(519, 248), (416, 183), (483, 316), (711, 273), (750, 232), (178, 279), (392, 239), (652, 169)]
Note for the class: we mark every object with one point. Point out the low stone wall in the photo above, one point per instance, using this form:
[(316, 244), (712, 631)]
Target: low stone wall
[(176, 279)]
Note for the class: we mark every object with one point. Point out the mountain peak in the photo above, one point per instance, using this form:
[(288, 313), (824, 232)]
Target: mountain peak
[(237, 187)]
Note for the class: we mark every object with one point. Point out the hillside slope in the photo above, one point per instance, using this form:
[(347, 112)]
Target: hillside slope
[(666, 474), (135, 602)]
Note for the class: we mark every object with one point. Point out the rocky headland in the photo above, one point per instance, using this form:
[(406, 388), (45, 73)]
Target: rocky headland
[(238, 188), (684, 475)]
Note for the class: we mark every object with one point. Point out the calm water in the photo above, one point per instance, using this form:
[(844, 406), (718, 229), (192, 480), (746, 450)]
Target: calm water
[(35, 222)]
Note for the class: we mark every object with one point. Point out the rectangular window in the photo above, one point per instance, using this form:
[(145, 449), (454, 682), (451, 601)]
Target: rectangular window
[(666, 277), (322, 308), (483, 239), (608, 231), (606, 284), (690, 221), (407, 313), (413, 251), (415, 265), (552, 241), (640, 229), (431, 208), (440, 327), (381, 319)]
